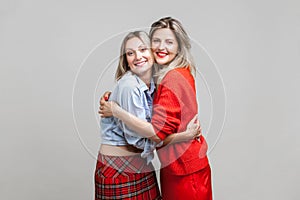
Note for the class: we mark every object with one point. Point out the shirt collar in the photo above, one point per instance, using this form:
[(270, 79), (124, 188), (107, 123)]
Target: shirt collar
[(144, 86), (152, 86)]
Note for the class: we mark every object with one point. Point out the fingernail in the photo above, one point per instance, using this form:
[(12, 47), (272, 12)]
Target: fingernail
[(106, 98)]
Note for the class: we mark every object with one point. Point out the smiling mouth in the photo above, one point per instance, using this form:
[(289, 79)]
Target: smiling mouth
[(140, 64), (161, 54)]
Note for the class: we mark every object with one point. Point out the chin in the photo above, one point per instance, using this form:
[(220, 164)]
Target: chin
[(160, 62)]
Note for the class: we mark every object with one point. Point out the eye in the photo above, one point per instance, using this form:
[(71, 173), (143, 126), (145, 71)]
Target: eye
[(143, 49), (129, 53), (155, 40), (169, 42)]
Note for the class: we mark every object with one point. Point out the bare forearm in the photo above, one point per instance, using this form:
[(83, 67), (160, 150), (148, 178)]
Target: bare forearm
[(143, 128), (179, 137)]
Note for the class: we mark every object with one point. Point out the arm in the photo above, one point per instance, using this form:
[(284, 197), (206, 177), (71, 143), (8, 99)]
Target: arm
[(131, 108), (144, 128), (175, 103), (108, 109), (136, 124), (193, 131)]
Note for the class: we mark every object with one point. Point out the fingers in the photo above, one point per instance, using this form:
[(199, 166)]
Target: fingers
[(104, 104), (104, 97), (195, 127), (104, 108), (199, 132), (198, 135), (107, 94), (101, 109), (192, 122), (197, 122), (195, 118), (102, 101), (191, 127), (102, 114), (196, 132)]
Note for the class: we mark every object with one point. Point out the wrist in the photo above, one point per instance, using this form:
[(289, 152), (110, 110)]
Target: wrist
[(116, 110), (184, 136)]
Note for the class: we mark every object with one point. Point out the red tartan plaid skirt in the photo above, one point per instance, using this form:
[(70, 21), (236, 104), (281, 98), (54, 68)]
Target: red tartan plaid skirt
[(125, 177)]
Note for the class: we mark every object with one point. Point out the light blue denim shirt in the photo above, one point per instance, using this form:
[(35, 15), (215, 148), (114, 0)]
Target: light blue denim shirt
[(133, 95)]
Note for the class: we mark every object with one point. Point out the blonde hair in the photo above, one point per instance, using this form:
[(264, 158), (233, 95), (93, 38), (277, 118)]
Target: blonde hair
[(184, 57), (123, 64)]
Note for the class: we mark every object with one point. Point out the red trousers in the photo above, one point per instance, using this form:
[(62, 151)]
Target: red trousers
[(192, 186)]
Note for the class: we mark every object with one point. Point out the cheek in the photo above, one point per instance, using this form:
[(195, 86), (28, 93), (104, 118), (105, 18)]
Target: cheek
[(173, 49), (154, 46), (151, 59), (130, 62), (148, 54)]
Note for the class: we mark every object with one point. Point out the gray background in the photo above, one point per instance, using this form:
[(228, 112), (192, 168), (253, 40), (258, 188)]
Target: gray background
[(255, 44)]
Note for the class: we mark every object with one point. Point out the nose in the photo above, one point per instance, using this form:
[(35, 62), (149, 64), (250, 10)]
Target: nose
[(161, 46), (138, 55)]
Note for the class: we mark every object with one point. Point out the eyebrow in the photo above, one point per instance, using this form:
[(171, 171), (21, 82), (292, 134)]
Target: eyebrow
[(142, 45), (156, 38)]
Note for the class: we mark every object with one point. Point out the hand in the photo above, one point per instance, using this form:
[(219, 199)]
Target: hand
[(103, 100), (193, 129), (108, 109), (104, 97)]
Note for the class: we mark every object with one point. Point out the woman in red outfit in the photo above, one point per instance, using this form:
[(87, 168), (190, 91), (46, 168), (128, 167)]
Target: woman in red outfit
[(185, 171)]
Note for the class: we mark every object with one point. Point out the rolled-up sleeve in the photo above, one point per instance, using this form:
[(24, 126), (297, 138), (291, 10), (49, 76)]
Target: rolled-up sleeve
[(167, 105)]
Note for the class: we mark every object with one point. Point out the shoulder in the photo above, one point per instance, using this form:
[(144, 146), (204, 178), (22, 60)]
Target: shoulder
[(178, 75), (128, 84), (127, 79)]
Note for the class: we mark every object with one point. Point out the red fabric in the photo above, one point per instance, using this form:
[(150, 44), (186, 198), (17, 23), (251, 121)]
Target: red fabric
[(195, 186), (174, 105), (125, 177)]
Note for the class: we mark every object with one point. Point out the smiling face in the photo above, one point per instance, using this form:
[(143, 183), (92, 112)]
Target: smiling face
[(139, 57), (164, 46)]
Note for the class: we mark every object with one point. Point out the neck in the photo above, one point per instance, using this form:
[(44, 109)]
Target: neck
[(146, 78), (164, 66)]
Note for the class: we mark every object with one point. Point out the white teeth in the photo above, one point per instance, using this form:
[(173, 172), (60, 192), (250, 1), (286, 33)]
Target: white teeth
[(140, 63), (162, 54)]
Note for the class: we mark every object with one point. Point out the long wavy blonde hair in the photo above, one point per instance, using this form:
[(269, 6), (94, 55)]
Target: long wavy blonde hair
[(184, 57), (123, 64)]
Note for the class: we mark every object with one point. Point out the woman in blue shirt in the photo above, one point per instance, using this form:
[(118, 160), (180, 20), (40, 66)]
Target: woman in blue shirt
[(124, 169)]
